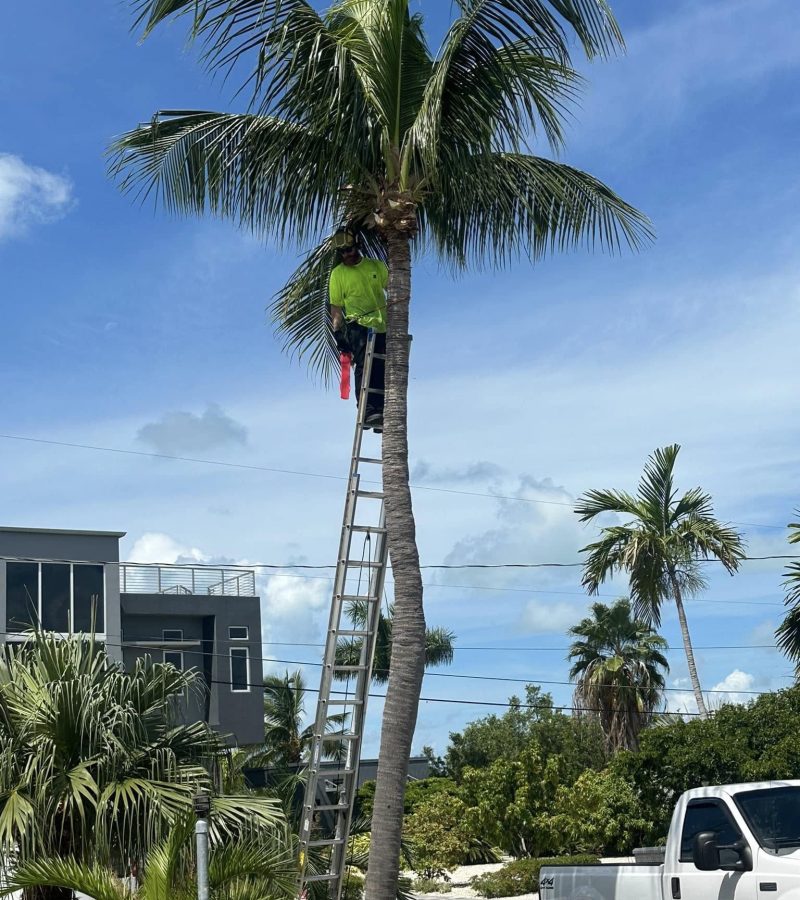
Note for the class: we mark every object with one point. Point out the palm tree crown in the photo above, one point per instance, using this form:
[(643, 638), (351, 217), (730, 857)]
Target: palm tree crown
[(659, 546), (352, 118), (618, 667)]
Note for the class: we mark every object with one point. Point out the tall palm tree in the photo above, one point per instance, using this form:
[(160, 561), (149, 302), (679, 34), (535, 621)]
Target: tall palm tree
[(619, 669), (659, 546), (91, 763), (352, 119), (788, 632), (439, 648)]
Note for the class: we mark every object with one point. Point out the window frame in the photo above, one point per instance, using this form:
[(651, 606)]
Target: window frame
[(20, 635), (246, 629), (165, 653), (237, 651), (170, 640)]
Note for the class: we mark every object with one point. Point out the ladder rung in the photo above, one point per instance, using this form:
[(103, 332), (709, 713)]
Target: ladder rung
[(326, 773), (349, 598), (350, 668), (375, 495), (326, 842), (310, 878), (362, 563), (375, 391), (351, 632), (369, 459), (379, 356), (328, 807), (343, 702), (368, 529), (328, 736)]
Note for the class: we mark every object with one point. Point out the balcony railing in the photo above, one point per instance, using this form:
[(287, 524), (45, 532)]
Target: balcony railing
[(136, 578)]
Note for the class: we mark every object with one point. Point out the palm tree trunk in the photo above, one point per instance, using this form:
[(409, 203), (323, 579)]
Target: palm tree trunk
[(408, 631), (687, 646)]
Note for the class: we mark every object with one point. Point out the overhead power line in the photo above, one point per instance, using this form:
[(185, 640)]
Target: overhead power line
[(303, 474)]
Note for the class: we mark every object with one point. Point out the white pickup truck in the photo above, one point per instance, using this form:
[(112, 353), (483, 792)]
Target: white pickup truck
[(736, 842)]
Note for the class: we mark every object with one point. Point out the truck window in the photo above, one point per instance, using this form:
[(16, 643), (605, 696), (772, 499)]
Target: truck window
[(773, 814), (709, 815)]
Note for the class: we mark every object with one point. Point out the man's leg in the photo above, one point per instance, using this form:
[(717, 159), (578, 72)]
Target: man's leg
[(377, 375), (357, 336)]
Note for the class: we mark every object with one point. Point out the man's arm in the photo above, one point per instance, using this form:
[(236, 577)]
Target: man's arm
[(337, 318)]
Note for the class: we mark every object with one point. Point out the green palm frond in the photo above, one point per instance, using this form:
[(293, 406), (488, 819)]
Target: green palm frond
[(91, 879), (595, 503), (503, 205)]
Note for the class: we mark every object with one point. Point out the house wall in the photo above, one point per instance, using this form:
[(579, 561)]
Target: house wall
[(207, 619)]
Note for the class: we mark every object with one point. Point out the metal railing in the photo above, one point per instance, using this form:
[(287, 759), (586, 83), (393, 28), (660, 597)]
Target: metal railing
[(137, 578)]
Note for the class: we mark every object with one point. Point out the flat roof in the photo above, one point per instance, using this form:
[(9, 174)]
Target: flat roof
[(116, 534)]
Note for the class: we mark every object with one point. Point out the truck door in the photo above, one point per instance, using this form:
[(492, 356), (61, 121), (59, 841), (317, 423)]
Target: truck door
[(686, 882)]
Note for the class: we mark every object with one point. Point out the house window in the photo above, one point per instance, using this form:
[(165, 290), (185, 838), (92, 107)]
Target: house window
[(60, 597), (172, 634), (240, 670), (174, 658), (238, 633), (22, 596)]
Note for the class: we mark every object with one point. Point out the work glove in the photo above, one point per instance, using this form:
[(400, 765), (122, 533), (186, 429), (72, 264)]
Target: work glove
[(342, 343)]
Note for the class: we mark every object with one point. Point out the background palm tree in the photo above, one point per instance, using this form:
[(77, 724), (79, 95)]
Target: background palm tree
[(353, 119), (659, 546), (439, 647), (286, 742), (788, 632), (619, 670), (92, 764)]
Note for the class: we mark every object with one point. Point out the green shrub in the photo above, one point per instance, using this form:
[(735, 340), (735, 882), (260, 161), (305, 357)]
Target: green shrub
[(431, 886), (521, 876), (353, 888)]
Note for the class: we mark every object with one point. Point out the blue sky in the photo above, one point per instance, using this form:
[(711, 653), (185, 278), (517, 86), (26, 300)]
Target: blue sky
[(126, 328)]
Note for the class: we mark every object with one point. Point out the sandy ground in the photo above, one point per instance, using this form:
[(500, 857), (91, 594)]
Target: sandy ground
[(460, 879)]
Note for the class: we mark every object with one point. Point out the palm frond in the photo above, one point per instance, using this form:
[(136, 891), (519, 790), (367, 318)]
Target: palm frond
[(264, 173), (595, 503), (505, 205), (94, 880)]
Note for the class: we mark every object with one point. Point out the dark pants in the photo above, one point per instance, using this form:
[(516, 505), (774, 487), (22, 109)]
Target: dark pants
[(357, 338)]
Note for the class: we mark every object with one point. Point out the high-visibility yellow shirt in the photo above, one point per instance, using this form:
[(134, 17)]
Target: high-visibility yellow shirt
[(361, 291)]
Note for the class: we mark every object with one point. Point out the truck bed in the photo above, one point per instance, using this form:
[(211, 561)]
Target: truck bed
[(601, 882)]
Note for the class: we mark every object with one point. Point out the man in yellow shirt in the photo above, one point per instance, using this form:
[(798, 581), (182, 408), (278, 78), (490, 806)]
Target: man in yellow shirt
[(357, 291)]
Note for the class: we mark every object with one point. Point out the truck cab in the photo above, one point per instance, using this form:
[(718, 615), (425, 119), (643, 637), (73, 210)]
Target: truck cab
[(728, 842)]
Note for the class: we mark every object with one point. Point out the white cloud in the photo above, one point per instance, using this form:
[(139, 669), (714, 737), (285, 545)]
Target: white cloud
[(185, 432), (543, 617), (423, 472), (737, 685), (701, 49), (293, 609), (30, 196), (155, 547)]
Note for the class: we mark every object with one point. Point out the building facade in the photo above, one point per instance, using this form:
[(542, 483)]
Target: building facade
[(195, 617)]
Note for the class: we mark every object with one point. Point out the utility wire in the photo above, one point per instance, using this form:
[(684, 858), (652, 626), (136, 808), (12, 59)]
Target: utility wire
[(300, 473), (160, 644)]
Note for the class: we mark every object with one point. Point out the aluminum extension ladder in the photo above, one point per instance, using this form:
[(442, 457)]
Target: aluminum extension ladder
[(357, 581)]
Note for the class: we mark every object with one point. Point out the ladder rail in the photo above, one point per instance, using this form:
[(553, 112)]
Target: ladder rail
[(342, 809)]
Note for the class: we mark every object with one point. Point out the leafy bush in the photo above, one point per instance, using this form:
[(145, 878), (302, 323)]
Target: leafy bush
[(521, 876), (431, 886), (438, 835), (353, 888), (425, 789)]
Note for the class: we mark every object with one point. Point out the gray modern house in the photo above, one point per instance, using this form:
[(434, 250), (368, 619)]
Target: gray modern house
[(198, 617)]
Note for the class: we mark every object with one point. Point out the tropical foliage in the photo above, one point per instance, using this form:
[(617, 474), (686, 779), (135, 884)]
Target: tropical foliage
[(92, 766), (353, 120), (618, 666), (439, 648), (259, 863), (788, 633), (286, 742), (659, 546)]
